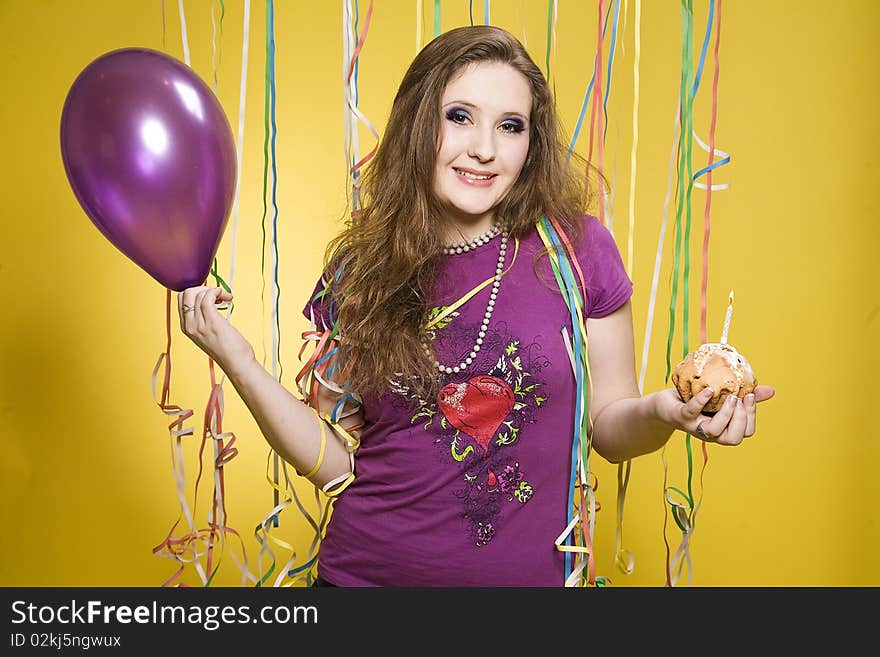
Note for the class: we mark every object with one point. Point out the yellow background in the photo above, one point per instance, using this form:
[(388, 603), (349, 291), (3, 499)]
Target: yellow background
[(86, 486)]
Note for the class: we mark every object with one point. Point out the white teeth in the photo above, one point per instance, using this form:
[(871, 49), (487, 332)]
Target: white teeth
[(471, 175)]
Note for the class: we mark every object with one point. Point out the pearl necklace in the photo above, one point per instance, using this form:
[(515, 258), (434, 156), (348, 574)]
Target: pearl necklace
[(487, 316), (473, 243)]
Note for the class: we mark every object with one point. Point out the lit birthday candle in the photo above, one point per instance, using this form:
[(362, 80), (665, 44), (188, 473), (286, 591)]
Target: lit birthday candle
[(727, 319)]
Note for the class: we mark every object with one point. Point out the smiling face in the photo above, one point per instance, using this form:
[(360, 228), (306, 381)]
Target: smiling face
[(482, 143)]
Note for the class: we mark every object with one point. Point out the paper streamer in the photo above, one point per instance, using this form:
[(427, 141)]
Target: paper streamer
[(586, 101), (581, 509), (624, 559), (419, 19), (216, 53), (183, 32), (708, 173), (242, 106), (684, 511), (180, 549)]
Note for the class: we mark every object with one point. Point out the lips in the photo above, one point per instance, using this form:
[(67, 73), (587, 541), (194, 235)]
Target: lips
[(472, 177), (475, 172)]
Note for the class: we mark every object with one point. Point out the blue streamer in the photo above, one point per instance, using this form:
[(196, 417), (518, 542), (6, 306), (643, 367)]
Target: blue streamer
[(277, 301), (577, 349), (577, 128), (712, 166), (704, 48), (699, 74), (610, 64), (357, 61)]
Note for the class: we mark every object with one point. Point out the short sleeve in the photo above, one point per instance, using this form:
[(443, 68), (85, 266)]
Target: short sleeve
[(608, 285), (319, 308)]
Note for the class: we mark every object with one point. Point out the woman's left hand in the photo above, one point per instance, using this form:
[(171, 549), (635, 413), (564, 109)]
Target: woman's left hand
[(733, 422)]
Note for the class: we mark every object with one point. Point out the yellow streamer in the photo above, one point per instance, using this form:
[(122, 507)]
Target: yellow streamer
[(448, 310)]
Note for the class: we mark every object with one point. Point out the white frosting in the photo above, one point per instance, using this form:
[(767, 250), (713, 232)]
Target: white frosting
[(734, 359)]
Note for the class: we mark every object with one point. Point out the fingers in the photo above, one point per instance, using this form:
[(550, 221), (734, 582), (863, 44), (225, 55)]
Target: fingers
[(196, 307), (207, 303), (198, 313), (734, 421), (763, 393), (695, 405), (186, 302), (751, 414), (734, 432), (714, 427)]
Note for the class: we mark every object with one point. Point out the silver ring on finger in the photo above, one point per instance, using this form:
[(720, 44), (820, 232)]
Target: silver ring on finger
[(187, 308), (700, 433)]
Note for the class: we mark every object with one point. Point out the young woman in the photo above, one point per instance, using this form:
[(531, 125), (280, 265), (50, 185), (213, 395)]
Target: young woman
[(443, 371)]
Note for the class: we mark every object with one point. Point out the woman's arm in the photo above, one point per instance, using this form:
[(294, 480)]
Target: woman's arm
[(626, 424), (290, 426)]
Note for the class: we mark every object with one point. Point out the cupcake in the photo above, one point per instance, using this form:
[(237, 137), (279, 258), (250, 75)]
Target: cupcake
[(714, 365)]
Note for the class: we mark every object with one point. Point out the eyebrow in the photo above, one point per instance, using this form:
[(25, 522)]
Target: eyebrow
[(472, 106)]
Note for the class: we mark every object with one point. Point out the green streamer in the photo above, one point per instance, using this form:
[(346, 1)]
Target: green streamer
[(549, 33), (436, 18), (689, 141), (265, 161), (218, 280), (686, 105)]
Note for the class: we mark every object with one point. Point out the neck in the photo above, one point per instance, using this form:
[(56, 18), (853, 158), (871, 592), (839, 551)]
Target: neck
[(460, 231)]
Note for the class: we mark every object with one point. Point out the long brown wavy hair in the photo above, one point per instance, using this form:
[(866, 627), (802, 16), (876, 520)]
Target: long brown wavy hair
[(382, 265)]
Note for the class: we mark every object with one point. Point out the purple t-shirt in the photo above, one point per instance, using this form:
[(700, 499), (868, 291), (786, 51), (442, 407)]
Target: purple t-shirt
[(471, 489)]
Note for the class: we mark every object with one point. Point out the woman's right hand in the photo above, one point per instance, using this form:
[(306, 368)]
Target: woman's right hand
[(202, 323)]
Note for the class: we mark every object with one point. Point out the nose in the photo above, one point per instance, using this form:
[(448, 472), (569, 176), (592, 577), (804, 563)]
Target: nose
[(482, 144)]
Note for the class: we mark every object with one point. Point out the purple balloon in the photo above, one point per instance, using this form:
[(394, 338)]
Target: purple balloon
[(150, 156)]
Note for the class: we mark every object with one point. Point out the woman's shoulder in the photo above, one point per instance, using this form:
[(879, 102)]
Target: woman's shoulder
[(581, 232)]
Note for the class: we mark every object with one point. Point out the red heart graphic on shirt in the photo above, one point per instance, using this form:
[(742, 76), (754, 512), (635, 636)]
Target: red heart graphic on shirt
[(477, 407)]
